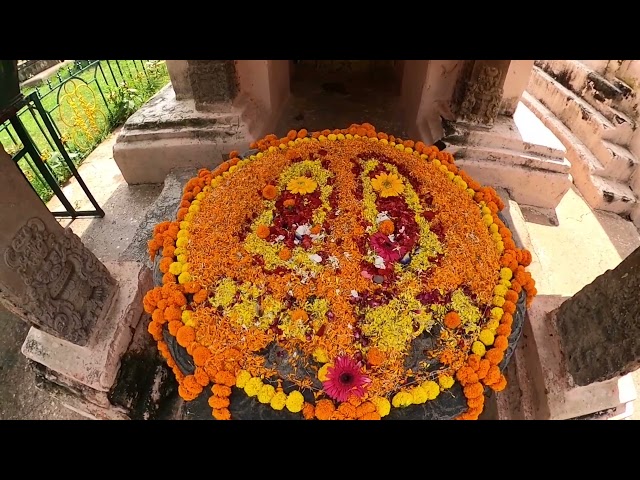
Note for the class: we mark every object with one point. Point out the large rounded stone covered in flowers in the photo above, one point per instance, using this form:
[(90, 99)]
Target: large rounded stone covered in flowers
[(346, 274)]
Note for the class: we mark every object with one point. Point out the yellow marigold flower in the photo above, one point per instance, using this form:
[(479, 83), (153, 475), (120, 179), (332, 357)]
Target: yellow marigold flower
[(498, 301), (500, 246), (436, 162), (184, 277), (233, 168), (206, 190), (444, 169), (471, 192), (493, 228), (348, 136), (186, 315), (446, 381), (496, 313), (301, 185), (266, 393), (320, 355), (506, 273), (189, 217), (493, 324), (278, 401), (486, 211), (382, 404), (496, 237), (186, 267), (432, 388), (384, 141), (450, 175), (182, 242), (322, 138), (332, 137), (500, 290), (194, 208), (182, 258), (486, 337), (322, 373), (505, 282), (179, 251), (487, 219), (419, 395), (400, 146), (295, 402), (183, 233), (341, 136), (175, 268), (253, 386), (478, 348), (388, 184), (242, 378), (402, 399)]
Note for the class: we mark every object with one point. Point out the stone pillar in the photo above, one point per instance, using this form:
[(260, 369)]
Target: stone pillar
[(211, 108), (599, 326), (87, 343), (474, 107), (47, 277)]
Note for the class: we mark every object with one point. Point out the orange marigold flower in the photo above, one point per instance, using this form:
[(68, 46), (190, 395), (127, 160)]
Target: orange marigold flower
[(225, 378), (222, 414), (178, 299), (284, 254), (501, 343), (232, 162), (234, 153), (263, 231), (499, 385), (503, 329), (221, 390), (185, 204), (201, 355), (370, 416), (473, 361), (181, 213), (289, 203), (174, 326), (308, 411), (348, 410), (168, 278), (473, 390), (169, 251), (201, 377), (493, 375), (299, 314), (172, 313), (383, 136), (186, 394), (186, 335), (316, 229), (386, 227), (452, 320), (511, 296), (509, 307), (364, 409), (516, 287), (270, 192), (494, 356), (200, 296), (163, 348), (375, 357), (302, 133), (158, 316), (483, 368), (476, 402), (354, 400), (463, 373), (155, 329), (191, 287), (219, 402), (324, 409), (190, 383), (509, 244)]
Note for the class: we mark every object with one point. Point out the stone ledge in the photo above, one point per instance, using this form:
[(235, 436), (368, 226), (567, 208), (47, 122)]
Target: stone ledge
[(97, 366)]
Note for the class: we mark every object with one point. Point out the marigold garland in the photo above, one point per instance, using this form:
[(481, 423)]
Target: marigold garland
[(354, 243)]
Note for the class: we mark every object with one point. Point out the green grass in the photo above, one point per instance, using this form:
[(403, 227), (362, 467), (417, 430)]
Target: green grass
[(114, 90)]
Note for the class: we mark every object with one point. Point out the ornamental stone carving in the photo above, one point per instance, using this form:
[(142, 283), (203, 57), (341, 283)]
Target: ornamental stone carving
[(479, 91), (67, 288)]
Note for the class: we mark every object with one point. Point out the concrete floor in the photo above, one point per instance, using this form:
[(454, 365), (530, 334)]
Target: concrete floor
[(572, 244)]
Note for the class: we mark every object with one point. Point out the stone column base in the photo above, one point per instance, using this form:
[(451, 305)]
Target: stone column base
[(519, 154), (120, 375), (167, 133)]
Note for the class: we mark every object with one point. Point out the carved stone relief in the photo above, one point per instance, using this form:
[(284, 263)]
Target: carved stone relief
[(479, 92), (67, 287)]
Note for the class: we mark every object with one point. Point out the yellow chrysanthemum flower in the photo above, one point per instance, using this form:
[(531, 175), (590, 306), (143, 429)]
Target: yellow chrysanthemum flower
[(382, 405), (301, 185), (388, 184), (478, 348), (242, 378), (295, 401), (278, 401), (446, 381), (266, 393)]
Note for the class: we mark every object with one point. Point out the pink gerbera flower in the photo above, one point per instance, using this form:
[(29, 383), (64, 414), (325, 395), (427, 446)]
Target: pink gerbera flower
[(345, 378)]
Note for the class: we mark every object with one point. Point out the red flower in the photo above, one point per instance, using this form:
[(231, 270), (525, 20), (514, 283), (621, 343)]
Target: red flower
[(385, 248), (345, 378)]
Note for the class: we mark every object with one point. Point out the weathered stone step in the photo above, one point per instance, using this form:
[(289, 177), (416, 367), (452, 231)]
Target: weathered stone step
[(611, 97), (587, 171), (583, 120), (618, 161)]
